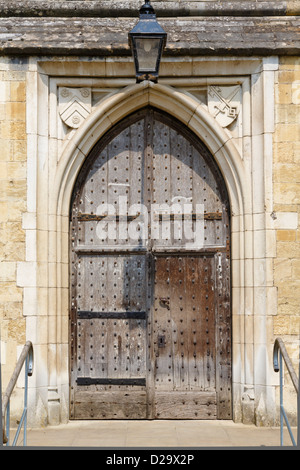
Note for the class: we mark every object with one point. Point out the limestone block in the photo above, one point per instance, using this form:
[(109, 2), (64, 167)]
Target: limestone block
[(288, 249), (290, 290), (16, 330), (3, 171), (281, 325), (285, 113), (29, 220), (288, 76), (9, 292), (17, 91), (16, 170), (31, 254), (296, 92), (283, 94), (295, 268), (286, 235), (14, 130), (13, 251), (286, 172), (5, 146), (15, 111), (287, 133), (26, 274), (295, 327), (282, 153), (286, 193), (286, 220), (30, 301), (18, 150), (3, 211), (15, 209), (7, 271), (282, 270)]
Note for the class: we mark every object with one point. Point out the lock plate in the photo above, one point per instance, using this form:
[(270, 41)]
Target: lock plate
[(161, 341)]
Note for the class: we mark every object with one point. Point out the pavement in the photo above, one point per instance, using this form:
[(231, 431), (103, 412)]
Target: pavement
[(155, 434)]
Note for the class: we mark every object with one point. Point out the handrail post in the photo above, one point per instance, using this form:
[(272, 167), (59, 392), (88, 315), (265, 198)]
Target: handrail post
[(26, 400), (281, 396), (7, 422), (279, 350), (26, 358), (1, 417), (298, 403)]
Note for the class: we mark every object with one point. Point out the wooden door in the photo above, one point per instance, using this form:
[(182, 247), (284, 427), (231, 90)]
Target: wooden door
[(150, 329)]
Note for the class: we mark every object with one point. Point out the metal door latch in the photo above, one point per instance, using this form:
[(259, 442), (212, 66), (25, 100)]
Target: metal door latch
[(161, 341)]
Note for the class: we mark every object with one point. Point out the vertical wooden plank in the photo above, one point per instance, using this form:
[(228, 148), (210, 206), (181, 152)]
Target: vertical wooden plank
[(193, 303), (162, 332), (150, 332), (180, 357), (101, 347), (136, 163), (162, 179)]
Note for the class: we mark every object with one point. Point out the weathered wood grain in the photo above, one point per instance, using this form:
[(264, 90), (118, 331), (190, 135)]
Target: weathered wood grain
[(186, 405), (110, 405)]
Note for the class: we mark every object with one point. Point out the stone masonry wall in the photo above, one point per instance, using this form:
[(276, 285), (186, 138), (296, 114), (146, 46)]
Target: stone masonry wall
[(286, 186), (13, 190)]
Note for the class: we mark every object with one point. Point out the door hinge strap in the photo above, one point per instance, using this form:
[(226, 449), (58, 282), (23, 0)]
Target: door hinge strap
[(205, 216), (84, 314), (107, 217), (105, 381)]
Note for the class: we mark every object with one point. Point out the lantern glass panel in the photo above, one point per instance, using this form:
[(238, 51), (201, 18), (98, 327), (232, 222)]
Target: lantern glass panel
[(147, 53)]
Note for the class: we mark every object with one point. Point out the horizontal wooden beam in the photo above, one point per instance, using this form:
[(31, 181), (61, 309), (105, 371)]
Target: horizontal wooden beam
[(86, 315), (158, 217), (106, 381)]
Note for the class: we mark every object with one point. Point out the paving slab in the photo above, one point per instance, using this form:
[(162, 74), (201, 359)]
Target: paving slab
[(155, 434)]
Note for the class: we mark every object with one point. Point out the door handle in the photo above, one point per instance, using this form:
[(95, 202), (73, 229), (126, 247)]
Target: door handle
[(165, 302)]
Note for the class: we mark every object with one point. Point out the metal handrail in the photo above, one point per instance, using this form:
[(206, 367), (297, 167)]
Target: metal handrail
[(279, 353), (26, 358)]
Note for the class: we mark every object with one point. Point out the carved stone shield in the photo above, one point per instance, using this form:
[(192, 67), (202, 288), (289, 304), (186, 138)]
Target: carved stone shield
[(75, 104), (224, 103)]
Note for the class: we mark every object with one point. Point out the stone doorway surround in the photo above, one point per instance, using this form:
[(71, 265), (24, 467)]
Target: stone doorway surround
[(226, 102)]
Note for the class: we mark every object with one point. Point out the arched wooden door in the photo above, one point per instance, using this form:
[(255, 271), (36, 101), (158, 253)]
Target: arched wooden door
[(150, 319)]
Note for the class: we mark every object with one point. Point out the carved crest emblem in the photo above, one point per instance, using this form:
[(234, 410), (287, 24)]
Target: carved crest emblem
[(224, 103), (75, 104)]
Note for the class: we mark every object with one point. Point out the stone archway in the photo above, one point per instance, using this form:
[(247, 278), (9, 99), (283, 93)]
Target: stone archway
[(197, 119)]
